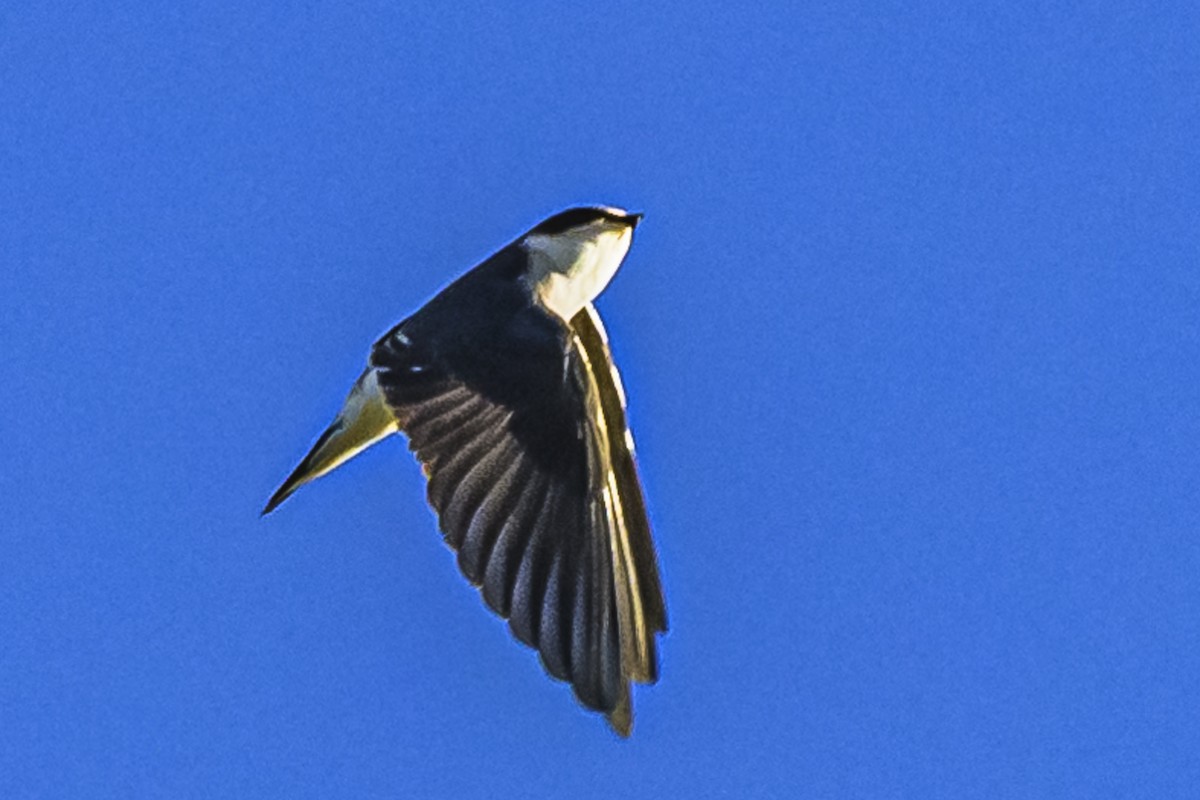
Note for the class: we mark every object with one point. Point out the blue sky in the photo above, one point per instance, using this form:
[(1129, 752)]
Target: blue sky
[(910, 337)]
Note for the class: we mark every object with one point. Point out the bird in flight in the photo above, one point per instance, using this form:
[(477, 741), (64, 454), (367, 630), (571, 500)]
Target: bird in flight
[(507, 392)]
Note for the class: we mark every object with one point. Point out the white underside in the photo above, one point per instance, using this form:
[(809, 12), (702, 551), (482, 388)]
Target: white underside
[(571, 269)]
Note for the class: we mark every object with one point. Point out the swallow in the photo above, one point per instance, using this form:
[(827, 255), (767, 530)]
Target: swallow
[(505, 388)]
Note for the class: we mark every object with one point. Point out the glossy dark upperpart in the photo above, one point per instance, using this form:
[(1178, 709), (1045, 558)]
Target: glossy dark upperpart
[(575, 217), (485, 330)]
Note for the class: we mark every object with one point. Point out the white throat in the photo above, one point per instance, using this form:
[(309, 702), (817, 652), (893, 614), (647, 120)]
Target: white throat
[(568, 270)]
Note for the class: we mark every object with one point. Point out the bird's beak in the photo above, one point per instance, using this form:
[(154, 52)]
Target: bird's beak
[(634, 219)]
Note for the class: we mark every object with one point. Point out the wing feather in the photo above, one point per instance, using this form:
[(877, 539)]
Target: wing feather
[(501, 572), (554, 632), (529, 589), (483, 471), (448, 461), (485, 526)]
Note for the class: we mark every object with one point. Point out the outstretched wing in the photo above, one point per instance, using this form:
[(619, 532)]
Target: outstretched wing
[(520, 432)]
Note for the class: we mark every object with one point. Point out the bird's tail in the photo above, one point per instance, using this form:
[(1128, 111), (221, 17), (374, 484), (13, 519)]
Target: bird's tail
[(363, 421)]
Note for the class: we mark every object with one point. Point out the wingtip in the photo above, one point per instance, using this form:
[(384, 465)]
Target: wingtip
[(301, 475), (281, 494), (620, 719)]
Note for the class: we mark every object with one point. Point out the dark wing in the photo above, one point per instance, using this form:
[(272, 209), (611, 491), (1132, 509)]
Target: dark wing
[(509, 426)]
